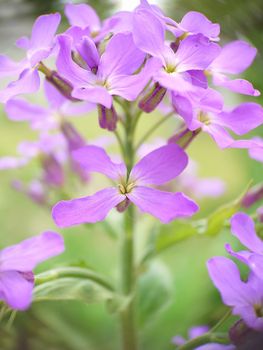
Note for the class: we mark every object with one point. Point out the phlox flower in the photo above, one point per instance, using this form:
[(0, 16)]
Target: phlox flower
[(156, 168), (177, 71), (243, 227), (38, 47), (245, 298), (203, 109), (17, 263)]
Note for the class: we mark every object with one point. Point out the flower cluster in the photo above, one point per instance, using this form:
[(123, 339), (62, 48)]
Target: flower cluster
[(125, 67)]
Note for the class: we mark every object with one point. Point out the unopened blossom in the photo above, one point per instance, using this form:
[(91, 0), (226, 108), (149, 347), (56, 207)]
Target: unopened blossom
[(243, 227), (158, 167), (17, 263), (195, 332), (35, 190), (245, 298), (38, 47), (234, 58), (203, 109)]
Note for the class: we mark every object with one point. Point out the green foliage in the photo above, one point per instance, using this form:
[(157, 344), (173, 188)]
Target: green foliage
[(155, 291)]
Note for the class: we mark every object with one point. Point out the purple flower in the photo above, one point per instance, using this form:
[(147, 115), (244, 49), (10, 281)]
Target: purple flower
[(256, 150), (17, 263), (84, 20), (36, 191), (243, 227), (158, 167), (177, 69), (204, 109), (196, 332), (108, 75), (245, 298), (234, 58), (38, 47)]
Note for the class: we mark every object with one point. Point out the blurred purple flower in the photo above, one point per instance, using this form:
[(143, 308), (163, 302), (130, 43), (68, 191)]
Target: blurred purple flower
[(158, 167), (256, 150), (38, 47), (17, 263), (245, 298)]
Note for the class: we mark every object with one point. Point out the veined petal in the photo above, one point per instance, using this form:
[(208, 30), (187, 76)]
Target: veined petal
[(243, 227), (82, 15), (120, 57), (67, 67), (165, 206), (27, 83), (196, 23), (87, 209), (16, 289), (9, 67), (240, 86), (242, 119), (94, 94), (95, 159), (148, 33), (22, 110), (226, 277), (130, 86), (26, 255), (234, 57), (159, 166), (44, 30), (195, 52)]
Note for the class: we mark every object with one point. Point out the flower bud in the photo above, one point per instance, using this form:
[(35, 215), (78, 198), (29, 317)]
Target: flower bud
[(53, 171), (73, 138), (121, 207), (107, 117), (254, 195), (152, 99), (184, 137), (244, 337)]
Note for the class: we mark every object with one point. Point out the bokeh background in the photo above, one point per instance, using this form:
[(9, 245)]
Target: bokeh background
[(182, 271)]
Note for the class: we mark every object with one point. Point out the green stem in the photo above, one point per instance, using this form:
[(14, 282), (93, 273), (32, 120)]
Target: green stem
[(129, 338), (76, 272), (221, 321), (153, 128), (220, 338), (127, 316)]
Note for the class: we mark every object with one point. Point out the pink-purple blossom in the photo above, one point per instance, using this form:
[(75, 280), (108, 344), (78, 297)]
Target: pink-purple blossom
[(17, 263), (156, 168)]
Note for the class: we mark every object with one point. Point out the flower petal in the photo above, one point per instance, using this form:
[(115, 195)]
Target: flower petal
[(27, 83), (160, 166), (226, 277), (82, 15), (9, 67), (121, 56), (240, 86), (148, 33), (26, 255), (95, 159), (195, 52), (165, 206), (44, 30), (22, 110), (255, 262), (93, 94), (16, 290), (219, 134), (234, 57), (243, 227), (89, 209)]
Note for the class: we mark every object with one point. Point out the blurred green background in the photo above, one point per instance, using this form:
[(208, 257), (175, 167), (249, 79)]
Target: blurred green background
[(73, 325)]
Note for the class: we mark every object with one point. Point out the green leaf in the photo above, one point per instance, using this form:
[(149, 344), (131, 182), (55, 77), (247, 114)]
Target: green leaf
[(154, 291), (70, 288), (217, 219)]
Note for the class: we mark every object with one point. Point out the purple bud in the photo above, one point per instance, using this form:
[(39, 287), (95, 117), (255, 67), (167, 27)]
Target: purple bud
[(73, 138), (252, 196), (53, 171), (184, 137), (107, 118), (244, 337), (121, 207), (152, 99)]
